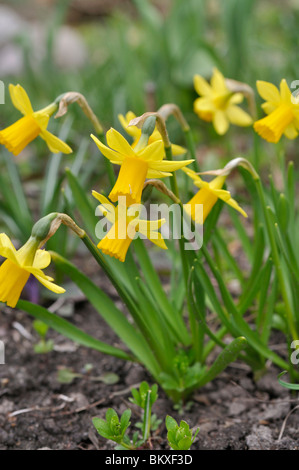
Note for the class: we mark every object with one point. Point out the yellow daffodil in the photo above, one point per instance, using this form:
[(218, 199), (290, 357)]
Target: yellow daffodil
[(282, 109), (218, 104), (208, 195), (136, 165), (135, 132), (125, 226), (34, 123), (19, 264)]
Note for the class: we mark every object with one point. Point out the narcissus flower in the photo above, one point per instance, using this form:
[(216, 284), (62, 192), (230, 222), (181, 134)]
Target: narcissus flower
[(135, 132), (208, 195), (136, 165), (125, 225), (16, 269), (33, 124), (217, 103), (282, 109)]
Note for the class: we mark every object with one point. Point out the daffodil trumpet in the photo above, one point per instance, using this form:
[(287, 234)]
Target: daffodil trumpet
[(19, 265), (136, 165), (218, 103), (125, 226), (33, 124), (282, 110)]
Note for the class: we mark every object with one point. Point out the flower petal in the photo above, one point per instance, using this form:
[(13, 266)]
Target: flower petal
[(268, 91), (291, 132), (117, 142), (45, 280), (285, 91), (238, 117), (201, 86), (42, 120), (133, 131), (167, 165), (152, 152), (42, 259), (220, 122), (54, 143), (231, 202), (177, 150), (204, 104), (218, 82), (157, 174), (20, 99), (113, 156), (7, 250)]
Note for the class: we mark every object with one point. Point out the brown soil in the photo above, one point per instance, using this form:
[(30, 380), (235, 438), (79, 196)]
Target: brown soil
[(37, 411)]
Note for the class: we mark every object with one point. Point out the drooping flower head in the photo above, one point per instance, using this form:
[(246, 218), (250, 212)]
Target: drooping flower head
[(33, 124), (135, 132), (282, 109), (217, 103), (208, 195), (19, 264), (136, 165), (125, 226)]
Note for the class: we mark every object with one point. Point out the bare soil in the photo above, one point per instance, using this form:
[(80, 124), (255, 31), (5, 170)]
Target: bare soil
[(37, 411)]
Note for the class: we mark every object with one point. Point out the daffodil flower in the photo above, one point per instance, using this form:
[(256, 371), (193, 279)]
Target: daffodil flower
[(33, 124), (135, 133), (136, 165), (208, 195), (217, 103), (282, 109), (19, 264), (125, 226)]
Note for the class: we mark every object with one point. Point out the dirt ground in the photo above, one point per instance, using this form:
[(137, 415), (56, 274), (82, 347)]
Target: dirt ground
[(37, 411)]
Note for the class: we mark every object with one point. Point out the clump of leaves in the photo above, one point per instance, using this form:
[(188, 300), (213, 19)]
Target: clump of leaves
[(179, 436), (113, 428)]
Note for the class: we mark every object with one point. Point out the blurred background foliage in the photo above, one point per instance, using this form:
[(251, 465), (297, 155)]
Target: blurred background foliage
[(139, 54)]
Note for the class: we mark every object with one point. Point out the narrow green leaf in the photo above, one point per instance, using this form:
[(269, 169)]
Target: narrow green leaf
[(111, 314), (70, 331), (228, 355)]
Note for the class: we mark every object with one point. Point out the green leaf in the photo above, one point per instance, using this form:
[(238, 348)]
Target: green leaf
[(170, 423), (111, 314), (40, 327), (66, 376), (286, 384), (125, 421), (228, 355), (185, 443), (102, 427), (70, 331)]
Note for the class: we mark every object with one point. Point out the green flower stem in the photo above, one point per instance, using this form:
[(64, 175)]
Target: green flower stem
[(277, 263), (185, 265), (191, 147), (132, 307)]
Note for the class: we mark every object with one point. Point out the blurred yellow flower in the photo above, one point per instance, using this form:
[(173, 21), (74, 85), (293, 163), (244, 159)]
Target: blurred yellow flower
[(125, 225), (16, 269), (33, 124), (208, 195), (218, 104), (135, 132), (282, 109), (136, 165)]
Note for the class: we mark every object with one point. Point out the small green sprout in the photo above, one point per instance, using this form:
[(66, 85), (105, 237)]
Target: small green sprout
[(179, 436)]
